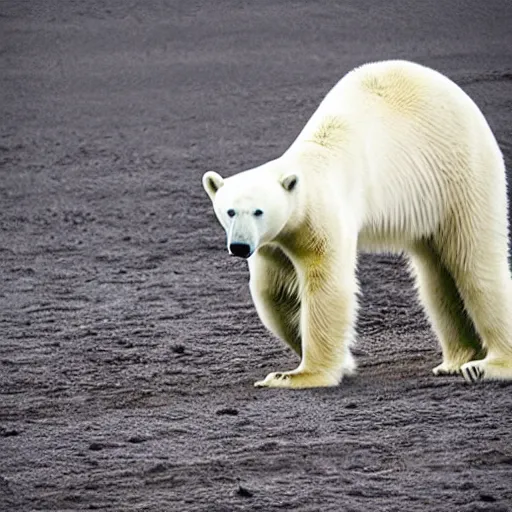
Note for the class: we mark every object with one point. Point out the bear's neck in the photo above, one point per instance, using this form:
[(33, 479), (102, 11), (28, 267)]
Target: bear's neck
[(304, 242)]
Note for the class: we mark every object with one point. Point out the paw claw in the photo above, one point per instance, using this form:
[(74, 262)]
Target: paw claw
[(473, 372), (296, 379), (273, 380), (446, 369)]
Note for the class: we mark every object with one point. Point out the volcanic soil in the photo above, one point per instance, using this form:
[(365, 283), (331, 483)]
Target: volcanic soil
[(128, 340)]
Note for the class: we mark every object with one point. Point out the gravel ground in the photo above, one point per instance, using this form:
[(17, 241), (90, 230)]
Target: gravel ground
[(128, 340)]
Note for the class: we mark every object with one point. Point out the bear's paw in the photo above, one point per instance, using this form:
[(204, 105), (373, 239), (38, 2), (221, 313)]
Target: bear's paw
[(487, 369), (296, 379), (446, 368)]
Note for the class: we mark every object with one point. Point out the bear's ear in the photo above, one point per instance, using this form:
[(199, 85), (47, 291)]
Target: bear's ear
[(290, 182), (212, 182)]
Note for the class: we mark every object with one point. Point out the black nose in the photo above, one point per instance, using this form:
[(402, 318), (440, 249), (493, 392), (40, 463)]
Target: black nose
[(242, 250)]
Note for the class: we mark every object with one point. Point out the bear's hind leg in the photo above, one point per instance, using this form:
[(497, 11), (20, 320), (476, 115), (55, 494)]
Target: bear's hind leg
[(487, 293), (441, 299)]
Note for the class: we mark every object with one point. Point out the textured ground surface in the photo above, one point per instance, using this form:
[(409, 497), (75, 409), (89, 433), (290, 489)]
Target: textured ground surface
[(128, 340)]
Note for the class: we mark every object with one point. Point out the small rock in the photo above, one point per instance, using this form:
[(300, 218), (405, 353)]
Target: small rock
[(245, 493), (227, 411), (487, 498), (137, 439), (159, 468), (4, 486), (8, 433)]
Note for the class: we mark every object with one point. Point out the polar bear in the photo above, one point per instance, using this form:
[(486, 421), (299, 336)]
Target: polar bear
[(397, 158)]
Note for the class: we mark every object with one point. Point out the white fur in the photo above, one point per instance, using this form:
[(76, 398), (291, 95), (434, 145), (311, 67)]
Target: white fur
[(397, 157)]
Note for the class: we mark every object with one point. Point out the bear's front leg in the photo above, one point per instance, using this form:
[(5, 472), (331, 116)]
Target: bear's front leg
[(328, 314), (275, 292)]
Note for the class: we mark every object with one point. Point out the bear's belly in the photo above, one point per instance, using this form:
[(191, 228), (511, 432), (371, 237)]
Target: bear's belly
[(397, 233), (377, 242)]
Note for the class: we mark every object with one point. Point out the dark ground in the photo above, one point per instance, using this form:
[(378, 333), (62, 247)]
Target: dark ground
[(128, 340)]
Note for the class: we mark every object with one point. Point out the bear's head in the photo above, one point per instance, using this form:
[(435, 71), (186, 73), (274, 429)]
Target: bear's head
[(252, 207)]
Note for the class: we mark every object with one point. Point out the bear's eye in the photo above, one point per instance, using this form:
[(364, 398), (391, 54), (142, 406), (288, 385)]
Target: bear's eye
[(231, 212), (258, 213)]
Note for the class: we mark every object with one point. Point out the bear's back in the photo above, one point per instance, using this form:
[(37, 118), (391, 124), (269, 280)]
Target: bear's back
[(400, 90), (412, 139)]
